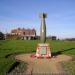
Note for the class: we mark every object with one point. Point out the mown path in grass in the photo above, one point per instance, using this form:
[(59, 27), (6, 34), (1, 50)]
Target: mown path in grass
[(44, 66)]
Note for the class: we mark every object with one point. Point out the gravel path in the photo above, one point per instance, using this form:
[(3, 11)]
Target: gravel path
[(44, 66)]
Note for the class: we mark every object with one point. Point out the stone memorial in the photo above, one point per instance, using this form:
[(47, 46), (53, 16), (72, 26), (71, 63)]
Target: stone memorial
[(43, 49)]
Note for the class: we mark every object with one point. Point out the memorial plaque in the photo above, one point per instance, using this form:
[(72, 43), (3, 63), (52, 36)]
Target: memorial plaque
[(43, 51)]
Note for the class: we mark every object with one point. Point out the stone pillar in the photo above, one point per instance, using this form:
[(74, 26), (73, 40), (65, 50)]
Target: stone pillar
[(25, 38), (43, 49), (29, 38), (43, 28)]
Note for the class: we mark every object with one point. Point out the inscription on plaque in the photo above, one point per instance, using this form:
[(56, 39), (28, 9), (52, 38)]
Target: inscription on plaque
[(43, 51)]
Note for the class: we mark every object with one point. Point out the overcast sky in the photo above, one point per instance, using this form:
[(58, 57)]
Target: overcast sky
[(60, 20)]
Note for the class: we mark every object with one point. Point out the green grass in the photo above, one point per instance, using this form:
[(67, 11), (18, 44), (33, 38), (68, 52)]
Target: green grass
[(5, 65), (25, 46), (11, 47), (69, 67)]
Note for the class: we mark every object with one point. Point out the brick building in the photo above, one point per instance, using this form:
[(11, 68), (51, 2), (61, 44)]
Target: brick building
[(25, 34)]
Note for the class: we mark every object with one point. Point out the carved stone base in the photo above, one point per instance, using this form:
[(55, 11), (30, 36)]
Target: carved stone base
[(43, 51)]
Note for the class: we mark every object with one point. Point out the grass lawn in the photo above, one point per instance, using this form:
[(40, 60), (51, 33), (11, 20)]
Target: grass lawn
[(25, 46), (69, 67)]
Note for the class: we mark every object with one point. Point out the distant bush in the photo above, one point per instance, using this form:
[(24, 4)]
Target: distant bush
[(1, 36), (70, 39)]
